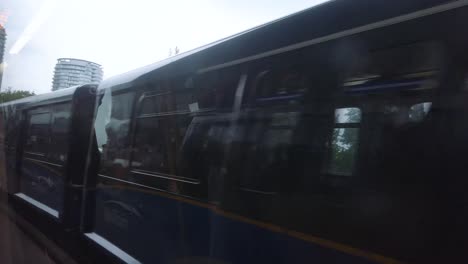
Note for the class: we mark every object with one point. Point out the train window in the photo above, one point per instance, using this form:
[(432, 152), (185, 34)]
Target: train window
[(112, 128), (280, 86), (61, 119), (405, 68), (181, 101), (262, 148), (60, 130), (153, 104), (122, 106), (210, 92), (38, 138), (418, 112), (159, 143), (216, 89), (118, 127), (344, 141)]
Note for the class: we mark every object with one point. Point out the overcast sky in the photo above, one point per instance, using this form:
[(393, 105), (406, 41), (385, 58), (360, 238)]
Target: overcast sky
[(120, 35)]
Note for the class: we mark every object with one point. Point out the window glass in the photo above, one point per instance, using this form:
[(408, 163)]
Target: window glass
[(122, 106), (404, 68), (347, 115), (61, 117), (216, 89), (102, 119), (153, 104), (166, 141), (212, 90), (60, 132), (159, 144), (280, 86), (116, 148), (260, 150), (119, 125), (418, 112), (38, 137), (344, 141), (343, 150), (182, 100)]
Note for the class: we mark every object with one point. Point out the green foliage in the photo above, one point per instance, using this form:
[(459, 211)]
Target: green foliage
[(344, 144), (10, 95)]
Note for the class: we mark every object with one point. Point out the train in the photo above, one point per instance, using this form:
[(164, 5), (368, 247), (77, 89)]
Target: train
[(337, 134)]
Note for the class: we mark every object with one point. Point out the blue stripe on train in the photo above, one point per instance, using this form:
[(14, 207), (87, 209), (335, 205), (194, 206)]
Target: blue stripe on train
[(42, 183), (154, 229)]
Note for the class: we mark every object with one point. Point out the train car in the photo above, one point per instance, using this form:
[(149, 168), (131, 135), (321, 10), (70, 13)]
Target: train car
[(45, 146), (334, 135)]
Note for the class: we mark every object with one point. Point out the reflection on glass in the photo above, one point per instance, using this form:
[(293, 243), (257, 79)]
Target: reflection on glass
[(344, 141), (344, 146), (112, 126), (102, 119), (38, 132), (347, 115), (418, 112)]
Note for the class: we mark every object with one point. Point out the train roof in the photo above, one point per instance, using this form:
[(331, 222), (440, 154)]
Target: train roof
[(52, 97), (320, 23)]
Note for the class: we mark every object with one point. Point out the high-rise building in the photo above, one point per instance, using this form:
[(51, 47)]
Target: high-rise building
[(2, 49), (70, 72)]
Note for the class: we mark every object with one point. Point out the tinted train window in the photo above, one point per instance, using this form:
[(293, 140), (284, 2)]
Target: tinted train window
[(164, 130), (112, 127), (122, 106), (280, 86), (160, 135), (344, 141), (418, 112), (154, 104), (60, 130), (264, 150), (404, 68), (182, 101), (216, 89), (119, 125), (38, 139), (48, 132), (159, 143)]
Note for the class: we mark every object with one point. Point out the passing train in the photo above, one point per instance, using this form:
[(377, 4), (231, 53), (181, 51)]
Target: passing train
[(333, 135)]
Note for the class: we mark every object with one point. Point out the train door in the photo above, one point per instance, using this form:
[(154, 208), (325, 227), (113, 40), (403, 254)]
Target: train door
[(42, 169), (11, 128)]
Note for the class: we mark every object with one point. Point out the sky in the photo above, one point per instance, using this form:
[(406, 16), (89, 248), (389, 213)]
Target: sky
[(120, 35)]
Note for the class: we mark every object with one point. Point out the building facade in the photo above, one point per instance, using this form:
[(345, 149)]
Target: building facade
[(2, 50), (70, 72)]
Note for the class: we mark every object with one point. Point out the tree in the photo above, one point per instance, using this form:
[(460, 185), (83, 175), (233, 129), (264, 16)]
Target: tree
[(10, 95), (344, 142), (174, 52)]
